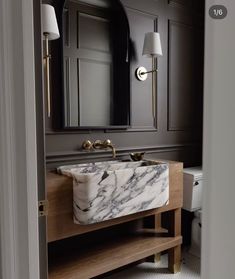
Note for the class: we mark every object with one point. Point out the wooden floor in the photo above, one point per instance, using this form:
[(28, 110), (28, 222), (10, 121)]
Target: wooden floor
[(106, 257)]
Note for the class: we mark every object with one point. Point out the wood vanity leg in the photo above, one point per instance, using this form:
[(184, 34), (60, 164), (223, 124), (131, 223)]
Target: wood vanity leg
[(158, 225), (174, 254), (174, 259)]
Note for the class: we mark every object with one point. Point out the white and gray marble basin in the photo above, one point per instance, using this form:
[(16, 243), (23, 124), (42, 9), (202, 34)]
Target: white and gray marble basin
[(112, 189)]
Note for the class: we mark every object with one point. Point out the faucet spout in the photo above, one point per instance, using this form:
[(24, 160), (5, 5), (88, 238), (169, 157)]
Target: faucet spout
[(113, 150), (108, 144), (105, 144)]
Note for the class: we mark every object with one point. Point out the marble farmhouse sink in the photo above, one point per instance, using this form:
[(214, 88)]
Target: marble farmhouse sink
[(111, 189)]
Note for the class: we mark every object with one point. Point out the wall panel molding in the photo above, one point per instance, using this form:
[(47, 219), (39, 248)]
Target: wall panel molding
[(141, 22), (59, 158), (180, 76), (181, 3)]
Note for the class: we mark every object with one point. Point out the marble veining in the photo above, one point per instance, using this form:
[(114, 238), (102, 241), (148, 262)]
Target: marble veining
[(111, 189)]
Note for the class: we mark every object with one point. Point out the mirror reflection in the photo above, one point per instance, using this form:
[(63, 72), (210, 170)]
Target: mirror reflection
[(95, 64)]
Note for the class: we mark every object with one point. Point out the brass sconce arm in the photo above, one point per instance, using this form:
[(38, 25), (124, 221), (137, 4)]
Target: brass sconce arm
[(47, 73), (50, 32), (141, 75), (152, 71)]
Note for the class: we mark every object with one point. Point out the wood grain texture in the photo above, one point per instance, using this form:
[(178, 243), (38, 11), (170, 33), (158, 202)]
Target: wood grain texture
[(108, 256), (174, 254), (174, 259), (60, 197)]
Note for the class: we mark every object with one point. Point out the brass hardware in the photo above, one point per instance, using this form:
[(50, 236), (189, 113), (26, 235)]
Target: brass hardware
[(137, 156), (152, 71), (142, 74), (87, 145), (154, 92), (109, 144), (98, 144), (47, 69), (43, 208)]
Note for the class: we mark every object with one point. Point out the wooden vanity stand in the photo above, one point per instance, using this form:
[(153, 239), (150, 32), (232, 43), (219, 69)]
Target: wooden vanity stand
[(110, 255)]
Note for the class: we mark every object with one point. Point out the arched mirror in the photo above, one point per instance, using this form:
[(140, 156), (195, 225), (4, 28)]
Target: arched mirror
[(95, 71)]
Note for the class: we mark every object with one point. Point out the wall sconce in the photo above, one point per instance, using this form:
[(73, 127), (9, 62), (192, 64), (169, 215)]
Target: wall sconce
[(50, 32), (152, 48)]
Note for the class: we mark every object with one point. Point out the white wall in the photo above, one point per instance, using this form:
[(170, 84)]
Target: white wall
[(218, 247)]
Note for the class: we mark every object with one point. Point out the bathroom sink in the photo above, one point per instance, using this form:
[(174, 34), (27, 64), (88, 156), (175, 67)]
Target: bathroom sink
[(112, 189)]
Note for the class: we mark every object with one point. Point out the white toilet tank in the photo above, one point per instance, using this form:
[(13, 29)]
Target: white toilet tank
[(192, 201), (193, 184)]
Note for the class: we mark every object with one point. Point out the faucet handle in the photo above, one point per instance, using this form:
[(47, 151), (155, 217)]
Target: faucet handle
[(97, 144), (87, 145), (107, 142)]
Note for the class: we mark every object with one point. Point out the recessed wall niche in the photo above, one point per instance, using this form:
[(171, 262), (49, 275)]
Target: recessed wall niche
[(92, 77)]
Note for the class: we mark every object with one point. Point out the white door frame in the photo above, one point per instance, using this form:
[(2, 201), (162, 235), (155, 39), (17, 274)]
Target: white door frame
[(19, 251), (218, 224)]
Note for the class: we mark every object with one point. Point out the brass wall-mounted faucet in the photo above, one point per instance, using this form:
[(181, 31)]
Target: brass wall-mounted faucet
[(98, 144)]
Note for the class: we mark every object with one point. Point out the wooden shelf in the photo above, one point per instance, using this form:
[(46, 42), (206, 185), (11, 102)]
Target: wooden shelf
[(85, 264)]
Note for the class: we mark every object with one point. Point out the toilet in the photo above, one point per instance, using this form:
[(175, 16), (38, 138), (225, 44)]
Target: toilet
[(195, 248), (192, 202)]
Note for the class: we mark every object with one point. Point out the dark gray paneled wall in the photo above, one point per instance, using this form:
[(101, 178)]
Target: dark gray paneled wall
[(178, 132), (88, 58)]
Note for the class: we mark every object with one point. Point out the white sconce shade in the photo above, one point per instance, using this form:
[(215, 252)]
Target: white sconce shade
[(49, 22), (152, 45)]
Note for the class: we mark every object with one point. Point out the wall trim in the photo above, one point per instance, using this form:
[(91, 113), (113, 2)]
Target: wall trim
[(134, 129), (181, 4), (62, 157)]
